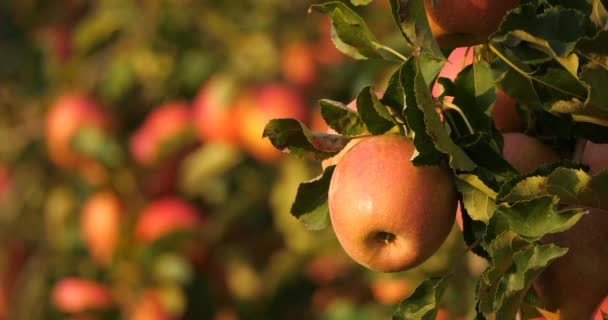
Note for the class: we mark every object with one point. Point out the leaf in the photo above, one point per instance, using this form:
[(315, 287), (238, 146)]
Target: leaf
[(410, 17), (291, 136), (599, 15), (351, 36), (423, 303), (361, 2), (435, 129), (475, 94), (340, 118), (310, 205), (532, 219), (571, 186), (376, 116), (477, 198)]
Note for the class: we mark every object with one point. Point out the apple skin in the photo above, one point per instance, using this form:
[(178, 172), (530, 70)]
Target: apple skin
[(215, 114), (526, 153), (256, 109), (603, 307), (68, 114), (163, 216), (596, 156), (74, 295), (459, 23), (100, 222), (387, 214), (166, 123), (577, 283), (298, 64)]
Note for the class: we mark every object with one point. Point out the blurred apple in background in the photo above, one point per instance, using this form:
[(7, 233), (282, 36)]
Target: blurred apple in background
[(596, 157), (215, 114), (74, 295), (269, 101), (100, 224), (526, 153), (150, 306), (298, 64), (167, 129), (390, 290), (163, 216)]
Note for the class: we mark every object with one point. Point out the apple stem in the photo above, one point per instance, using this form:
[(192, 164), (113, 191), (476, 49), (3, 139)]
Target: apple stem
[(454, 107), (579, 149)]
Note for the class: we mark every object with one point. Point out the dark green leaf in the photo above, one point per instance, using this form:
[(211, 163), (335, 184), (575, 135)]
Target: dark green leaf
[(376, 116), (410, 17), (340, 118), (310, 206), (423, 303), (475, 94)]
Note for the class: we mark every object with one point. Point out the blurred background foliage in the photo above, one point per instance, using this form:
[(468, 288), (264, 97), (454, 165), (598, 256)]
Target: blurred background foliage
[(242, 256)]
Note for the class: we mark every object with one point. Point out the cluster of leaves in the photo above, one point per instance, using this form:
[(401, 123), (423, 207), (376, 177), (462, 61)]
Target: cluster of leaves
[(551, 56)]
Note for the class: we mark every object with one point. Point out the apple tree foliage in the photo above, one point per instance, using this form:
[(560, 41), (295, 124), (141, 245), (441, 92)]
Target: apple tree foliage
[(552, 57)]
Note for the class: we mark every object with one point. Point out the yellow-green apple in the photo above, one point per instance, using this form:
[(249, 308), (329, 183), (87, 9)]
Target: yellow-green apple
[(526, 153), (74, 295), (69, 114), (166, 130), (459, 23), (164, 216), (596, 157), (390, 290), (215, 114), (298, 64), (576, 283), (100, 221), (387, 214), (270, 101)]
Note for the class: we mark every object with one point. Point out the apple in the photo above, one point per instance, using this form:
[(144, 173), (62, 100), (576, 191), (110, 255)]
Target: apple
[(267, 102), (459, 23), (69, 114), (100, 221), (215, 115), (327, 268), (596, 157), (603, 307), (74, 295), (298, 64), (576, 283), (164, 216), (150, 306), (390, 290), (526, 153), (387, 214), (167, 126)]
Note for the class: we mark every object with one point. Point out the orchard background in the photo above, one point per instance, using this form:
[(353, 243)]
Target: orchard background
[(135, 182)]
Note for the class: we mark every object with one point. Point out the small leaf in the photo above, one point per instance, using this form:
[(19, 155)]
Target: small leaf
[(423, 303), (477, 198), (475, 94), (289, 135), (340, 118), (375, 115), (410, 17), (310, 205)]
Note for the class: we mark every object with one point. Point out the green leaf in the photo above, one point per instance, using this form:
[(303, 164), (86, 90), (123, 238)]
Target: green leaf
[(596, 106), (310, 205), (376, 116), (477, 198), (290, 135), (532, 219), (350, 33), (410, 17), (361, 2), (437, 130), (475, 94), (571, 186), (423, 303), (340, 118)]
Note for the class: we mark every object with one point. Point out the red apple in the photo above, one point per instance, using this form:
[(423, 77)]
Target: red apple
[(268, 102), (298, 64), (164, 216), (165, 126), (387, 214), (215, 114), (69, 114), (458, 23), (596, 157), (100, 222), (76, 295), (526, 153), (603, 307)]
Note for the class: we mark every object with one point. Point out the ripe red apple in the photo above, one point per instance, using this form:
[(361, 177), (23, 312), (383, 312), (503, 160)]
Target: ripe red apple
[(390, 290), (596, 157), (526, 153), (271, 101), (75, 295), (164, 216), (387, 214), (215, 115), (603, 307), (459, 23), (298, 64), (69, 114), (167, 126), (100, 222), (577, 283)]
